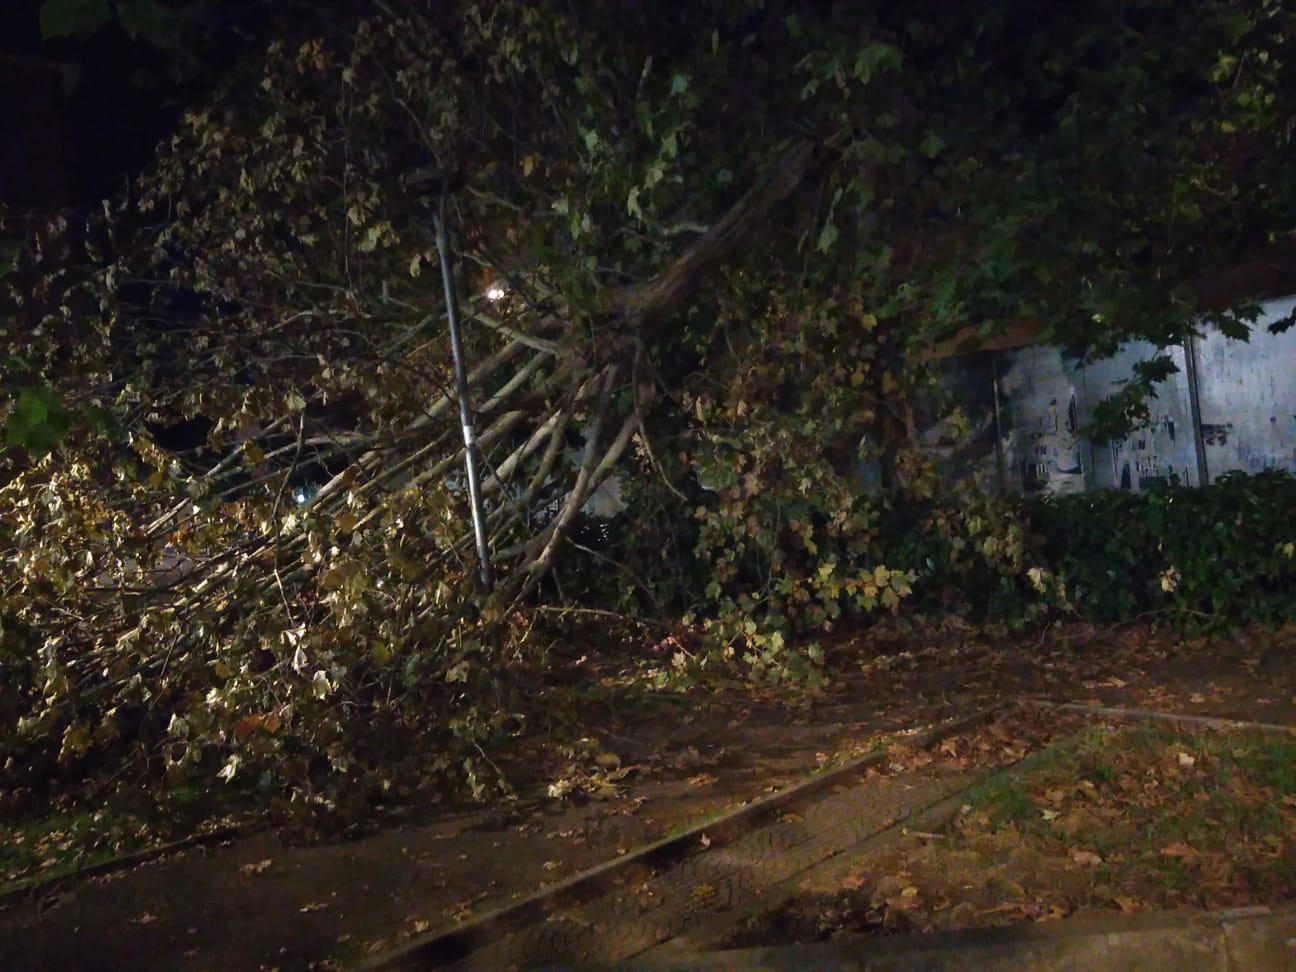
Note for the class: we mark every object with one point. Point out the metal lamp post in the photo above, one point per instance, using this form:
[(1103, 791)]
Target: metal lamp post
[(471, 456)]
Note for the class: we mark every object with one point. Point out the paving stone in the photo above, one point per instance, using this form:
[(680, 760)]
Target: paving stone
[(721, 882)]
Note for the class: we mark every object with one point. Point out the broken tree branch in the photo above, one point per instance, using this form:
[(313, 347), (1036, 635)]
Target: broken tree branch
[(646, 304)]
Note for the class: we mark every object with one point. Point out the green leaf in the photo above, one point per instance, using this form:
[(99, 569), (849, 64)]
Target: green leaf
[(932, 145), (873, 58), (37, 422), (73, 18), (8, 257), (151, 21), (827, 237), (679, 84)]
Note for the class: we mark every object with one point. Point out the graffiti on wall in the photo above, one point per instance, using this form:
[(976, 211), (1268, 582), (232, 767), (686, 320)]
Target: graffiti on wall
[(1245, 402), (1046, 402), (1040, 422), (1151, 456), (1162, 452), (1247, 391), (1053, 462)]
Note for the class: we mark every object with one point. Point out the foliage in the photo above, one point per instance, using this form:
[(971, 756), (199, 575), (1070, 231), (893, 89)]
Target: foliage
[(789, 536), (177, 28), (1223, 552), (725, 237), (978, 558), (1219, 554)]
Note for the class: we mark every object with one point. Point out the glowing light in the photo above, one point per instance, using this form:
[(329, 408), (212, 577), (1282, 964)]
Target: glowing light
[(495, 292)]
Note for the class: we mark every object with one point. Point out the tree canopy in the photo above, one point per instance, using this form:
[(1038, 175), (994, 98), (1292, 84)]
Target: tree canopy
[(705, 252)]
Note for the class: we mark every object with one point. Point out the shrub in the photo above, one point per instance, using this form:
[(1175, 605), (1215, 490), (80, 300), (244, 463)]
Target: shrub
[(1224, 553)]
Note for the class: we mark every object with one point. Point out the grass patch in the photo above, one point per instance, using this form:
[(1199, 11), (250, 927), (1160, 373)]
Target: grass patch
[(1209, 816), (1132, 818), (64, 842)]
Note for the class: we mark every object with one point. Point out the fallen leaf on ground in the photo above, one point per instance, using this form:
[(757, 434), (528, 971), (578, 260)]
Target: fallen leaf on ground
[(1086, 858), (260, 867)]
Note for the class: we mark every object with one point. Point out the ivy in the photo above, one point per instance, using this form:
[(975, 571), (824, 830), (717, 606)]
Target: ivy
[(1219, 555), (1209, 557)]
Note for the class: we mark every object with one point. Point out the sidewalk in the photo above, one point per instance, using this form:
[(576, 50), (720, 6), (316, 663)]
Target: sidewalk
[(679, 914), (1246, 940)]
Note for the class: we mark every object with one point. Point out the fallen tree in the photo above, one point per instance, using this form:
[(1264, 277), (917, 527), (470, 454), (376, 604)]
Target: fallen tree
[(703, 251)]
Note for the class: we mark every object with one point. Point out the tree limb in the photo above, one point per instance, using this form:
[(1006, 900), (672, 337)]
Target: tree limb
[(648, 303)]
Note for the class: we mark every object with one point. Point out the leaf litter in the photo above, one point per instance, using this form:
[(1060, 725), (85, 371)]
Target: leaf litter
[(1129, 818)]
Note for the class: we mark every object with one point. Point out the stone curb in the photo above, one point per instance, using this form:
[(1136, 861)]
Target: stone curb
[(1258, 939), (42, 884), (1117, 714), (440, 948)]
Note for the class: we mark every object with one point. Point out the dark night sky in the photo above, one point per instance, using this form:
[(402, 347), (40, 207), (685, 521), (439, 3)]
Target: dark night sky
[(76, 120)]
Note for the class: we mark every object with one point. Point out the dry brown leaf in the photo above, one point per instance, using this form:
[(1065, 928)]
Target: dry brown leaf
[(244, 728), (704, 892), (1178, 849), (259, 867)]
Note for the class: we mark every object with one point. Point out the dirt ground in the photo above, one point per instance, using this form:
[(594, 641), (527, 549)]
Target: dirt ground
[(256, 903)]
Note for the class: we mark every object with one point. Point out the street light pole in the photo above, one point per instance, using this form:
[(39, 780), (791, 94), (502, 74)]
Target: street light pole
[(471, 456)]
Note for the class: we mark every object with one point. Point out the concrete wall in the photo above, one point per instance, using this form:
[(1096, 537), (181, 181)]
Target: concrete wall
[(1245, 399), (1247, 395)]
